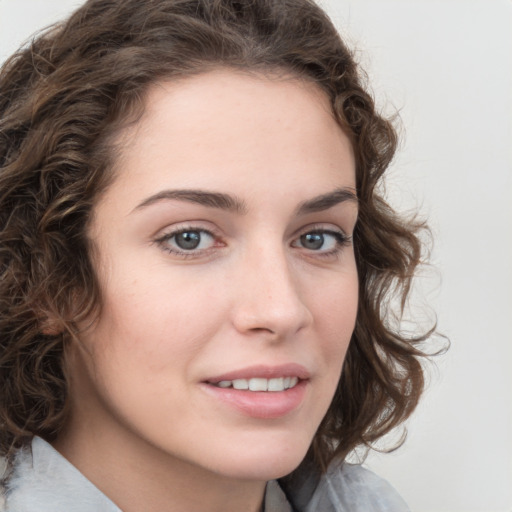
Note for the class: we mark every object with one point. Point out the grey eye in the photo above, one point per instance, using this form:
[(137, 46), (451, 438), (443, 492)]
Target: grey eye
[(188, 240), (312, 241), (321, 241)]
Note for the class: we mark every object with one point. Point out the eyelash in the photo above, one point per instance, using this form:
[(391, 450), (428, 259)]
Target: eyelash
[(164, 240), (341, 240)]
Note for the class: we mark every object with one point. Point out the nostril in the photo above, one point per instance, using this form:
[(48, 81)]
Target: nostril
[(262, 330)]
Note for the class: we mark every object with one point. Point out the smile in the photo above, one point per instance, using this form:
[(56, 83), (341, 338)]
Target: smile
[(259, 384)]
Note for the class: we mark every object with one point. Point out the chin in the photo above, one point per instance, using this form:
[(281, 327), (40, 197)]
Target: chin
[(262, 461)]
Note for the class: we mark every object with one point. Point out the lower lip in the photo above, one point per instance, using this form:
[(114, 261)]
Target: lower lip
[(261, 404)]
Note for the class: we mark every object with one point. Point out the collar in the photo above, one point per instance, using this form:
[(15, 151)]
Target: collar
[(44, 480)]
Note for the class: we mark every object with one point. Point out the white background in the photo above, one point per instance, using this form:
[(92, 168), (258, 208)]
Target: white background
[(447, 67)]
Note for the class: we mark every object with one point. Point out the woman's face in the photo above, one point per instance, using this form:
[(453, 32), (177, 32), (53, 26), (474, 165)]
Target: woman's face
[(223, 250)]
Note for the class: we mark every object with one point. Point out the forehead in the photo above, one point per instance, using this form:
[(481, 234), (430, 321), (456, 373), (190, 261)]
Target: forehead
[(225, 127)]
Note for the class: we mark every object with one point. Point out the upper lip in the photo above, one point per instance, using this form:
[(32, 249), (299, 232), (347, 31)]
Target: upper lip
[(263, 372)]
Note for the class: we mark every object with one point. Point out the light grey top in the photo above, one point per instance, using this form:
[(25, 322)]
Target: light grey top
[(42, 480)]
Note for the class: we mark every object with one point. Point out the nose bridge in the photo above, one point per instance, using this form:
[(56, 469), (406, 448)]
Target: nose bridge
[(269, 296)]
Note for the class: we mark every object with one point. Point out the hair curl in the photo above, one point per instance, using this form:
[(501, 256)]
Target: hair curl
[(65, 96)]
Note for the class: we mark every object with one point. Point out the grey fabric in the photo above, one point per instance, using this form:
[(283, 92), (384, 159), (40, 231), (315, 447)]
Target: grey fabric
[(44, 481), (275, 499), (344, 488)]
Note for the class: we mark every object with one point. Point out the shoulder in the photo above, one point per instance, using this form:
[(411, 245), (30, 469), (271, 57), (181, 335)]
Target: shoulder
[(358, 489), (41, 480), (343, 488), (3, 476)]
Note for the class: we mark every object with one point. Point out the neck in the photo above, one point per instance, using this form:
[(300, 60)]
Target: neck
[(136, 475)]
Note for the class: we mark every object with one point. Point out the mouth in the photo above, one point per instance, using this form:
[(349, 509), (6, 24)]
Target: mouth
[(261, 391), (259, 384)]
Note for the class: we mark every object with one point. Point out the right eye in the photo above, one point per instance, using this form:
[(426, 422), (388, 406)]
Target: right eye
[(187, 241)]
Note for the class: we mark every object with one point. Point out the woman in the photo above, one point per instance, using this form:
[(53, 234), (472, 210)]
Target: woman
[(196, 264)]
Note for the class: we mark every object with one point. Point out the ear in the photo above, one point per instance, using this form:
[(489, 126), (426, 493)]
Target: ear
[(50, 328), (50, 323)]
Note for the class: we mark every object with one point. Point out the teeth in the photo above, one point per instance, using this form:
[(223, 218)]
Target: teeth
[(241, 384), (260, 384), (276, 384)]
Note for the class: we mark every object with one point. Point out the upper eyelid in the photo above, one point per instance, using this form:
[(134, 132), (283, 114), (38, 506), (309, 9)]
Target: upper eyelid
[(319, 226), (177, 231), (180, 227), (344, 238)]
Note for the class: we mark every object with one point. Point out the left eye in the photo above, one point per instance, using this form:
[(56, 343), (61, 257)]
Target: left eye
[(320, 240), (189, 240)]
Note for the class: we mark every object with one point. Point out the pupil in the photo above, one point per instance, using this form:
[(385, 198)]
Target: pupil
[(312, 240), (188, 240)]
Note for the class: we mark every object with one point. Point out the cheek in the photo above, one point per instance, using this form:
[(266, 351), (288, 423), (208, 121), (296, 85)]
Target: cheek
[(335, 306), (155, 323), (335, 312)]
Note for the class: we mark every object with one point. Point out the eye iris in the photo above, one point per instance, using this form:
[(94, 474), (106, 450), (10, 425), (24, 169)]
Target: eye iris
[(188, 240), (312, 240)]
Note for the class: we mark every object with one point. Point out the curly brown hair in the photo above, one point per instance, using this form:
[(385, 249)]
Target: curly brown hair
[(65, 96)]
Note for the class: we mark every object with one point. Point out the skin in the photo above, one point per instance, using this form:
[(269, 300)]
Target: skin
[(253, 292)]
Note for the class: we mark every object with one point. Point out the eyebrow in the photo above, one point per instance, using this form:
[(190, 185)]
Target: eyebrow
[(326, 201), (234, 204), (202, 197)]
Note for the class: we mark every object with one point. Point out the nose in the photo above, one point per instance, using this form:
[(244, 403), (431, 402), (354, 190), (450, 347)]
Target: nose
[(268, 297)]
